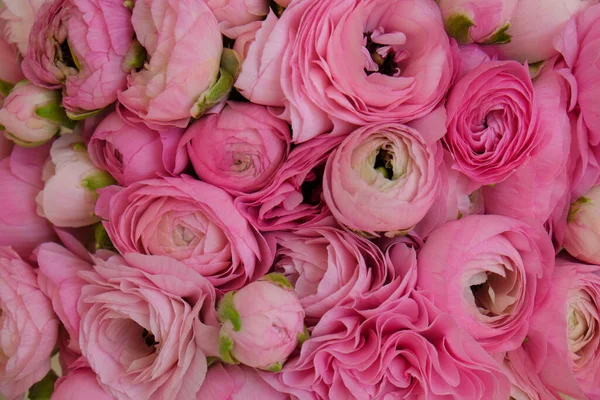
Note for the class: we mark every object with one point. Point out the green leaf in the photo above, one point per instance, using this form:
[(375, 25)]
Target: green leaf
[(278, 279), (275, 367), (500, 36), (5, 87), (227, 312), (303, 336), (97, 180), (457, 26), (225, 347), (44, 388)]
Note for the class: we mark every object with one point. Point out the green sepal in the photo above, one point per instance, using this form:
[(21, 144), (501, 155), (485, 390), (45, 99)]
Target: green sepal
[(535, 68), (23, 143), (128, 4), (458, 26), (83, 115), (225, 347), (500, 36), (277, 367), (576, 208), (135, 57), (101, 238), (79, 146), (278, 279), (43, 389), (54, 112), (303, 336), (5, 87), (97, 180), (227, 312)]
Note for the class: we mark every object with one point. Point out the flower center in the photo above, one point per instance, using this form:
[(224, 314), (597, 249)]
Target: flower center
[(182, 236), (312, 187), (384, 163), (149, 338), (495, 294), (66, 56), (383, 52)]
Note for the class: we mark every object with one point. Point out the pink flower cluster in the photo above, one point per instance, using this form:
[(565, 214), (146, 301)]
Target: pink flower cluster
[(300, 200)]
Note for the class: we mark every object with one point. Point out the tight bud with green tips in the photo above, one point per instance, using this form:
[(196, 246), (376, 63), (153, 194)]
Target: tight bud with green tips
[(262, 323), (582, 233), (71, 181), (32, 115)]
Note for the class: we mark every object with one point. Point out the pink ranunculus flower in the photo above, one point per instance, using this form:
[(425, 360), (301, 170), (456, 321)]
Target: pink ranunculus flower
[(350, 63), (233, 382), (77, 383), (28, 326), (20, 182), (183, 45), (85, 47), (191, 221), (490, 273), (484, 21), (241, 149), (534, 26), (10, 70), (162, 320), (582, 236), (493, 123), (19, 16), (244, 40), (535, 190), (236, 16), (262, 323), (386, 163), (32, 115), (132, 152), (405, 348), (294, 198), (329, 266), (71, 180)]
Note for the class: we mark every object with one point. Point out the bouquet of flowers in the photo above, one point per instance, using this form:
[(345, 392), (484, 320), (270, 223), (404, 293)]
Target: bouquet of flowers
[(300, 200)]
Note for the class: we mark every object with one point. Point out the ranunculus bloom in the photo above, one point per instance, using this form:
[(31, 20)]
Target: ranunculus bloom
[(350, 62), (19, 16), (490, 273), (483, 21), (329, 266), (10, 69), (405, 348), (232, 382), (31, 115), (381, 179), (77, 383), (243, 41), (582, 233), (184, 46), (189, 220), (28, 326), (20, 182), (535, 24), (163, 315), (535, 190), (236, 16), (493, 125), (83, 46), (293, 198), (71, 180), (132, 152), (240, 149), (261, 323)]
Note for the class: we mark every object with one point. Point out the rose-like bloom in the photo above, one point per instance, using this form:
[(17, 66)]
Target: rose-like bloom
[(329, 267), (483, 21), (71, 180), (28, 326), (534, 26), (293, 198), (493, 126), (240, 149), (20, 182), (189, 220), (76, 383), (232, 382), (582, 236), (236, 16), (381, 164), (490, 273), (262, 323), (163, 315), (405, 348), (19, 16), (350, 62), (132, 152), (32, 115), (535, 190), (84, 47), (183, 45)]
